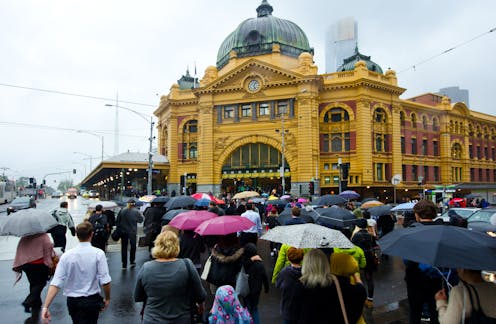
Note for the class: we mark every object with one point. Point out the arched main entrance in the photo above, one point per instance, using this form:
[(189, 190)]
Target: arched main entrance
[(255, 166)]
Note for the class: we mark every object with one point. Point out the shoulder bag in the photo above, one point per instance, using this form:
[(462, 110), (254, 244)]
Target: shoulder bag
[(196, 309), (242, 284), (477, 315), (206, 268), (341, 301)]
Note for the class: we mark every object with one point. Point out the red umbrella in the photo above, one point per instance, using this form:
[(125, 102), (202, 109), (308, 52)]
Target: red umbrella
[(459, 201), (191, 219), (224, 225), (202, 195)]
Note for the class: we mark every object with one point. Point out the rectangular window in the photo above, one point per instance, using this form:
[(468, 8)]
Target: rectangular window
[(414, 146), (255, 160), (379, 171), (402, 145), (264, 109), (493, 154), (486, 153), (472, 174), (379, 141), (436, 173), (356, 180), (403, 172), (426, 173), (326, 166), (335, 179), (488, 175), (346, 142), (327, 180), (229, 112), (282, 107), (336, 142), (424, 147), (479, 152), (414, 173), (325, 143), (185, 151), (435, 148), (471, 151), (245, 110), (480, 174)]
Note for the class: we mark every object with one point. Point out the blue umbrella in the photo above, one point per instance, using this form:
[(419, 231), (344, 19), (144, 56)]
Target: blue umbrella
[(335, 217), (404, 207), (380, 210), (349, 194), (328, 200), (202, 202)]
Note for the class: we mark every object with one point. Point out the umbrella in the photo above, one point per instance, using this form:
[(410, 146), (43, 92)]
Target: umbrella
[(308, 215), (105, 204), (277, 202), (370, 204), (202, 202), (246, 194), (180, 202), (160, 200), (302, 200), (201, 195), (224, 225), (286, 197), (307, 236), (257, 200), (349, 194), (27, 222), (364, 200), (473, 195), (147, 198), (335, 217), (380, 210), (442, 246), (328, 200), (404, 207), (191, 219), (173, 213)]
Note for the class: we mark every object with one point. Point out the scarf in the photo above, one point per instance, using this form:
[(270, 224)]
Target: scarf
[(227, 309)]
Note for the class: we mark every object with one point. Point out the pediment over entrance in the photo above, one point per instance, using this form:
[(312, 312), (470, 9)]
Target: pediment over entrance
[(238, 78)]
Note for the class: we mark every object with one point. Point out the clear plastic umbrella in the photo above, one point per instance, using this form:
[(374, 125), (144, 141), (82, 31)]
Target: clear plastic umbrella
[(28, 222)]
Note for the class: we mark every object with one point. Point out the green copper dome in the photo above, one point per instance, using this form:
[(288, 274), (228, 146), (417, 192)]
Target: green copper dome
[(349, 63), (256, 36)]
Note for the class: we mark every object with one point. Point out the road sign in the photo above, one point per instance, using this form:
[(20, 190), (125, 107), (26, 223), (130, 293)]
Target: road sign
[(396, 179)]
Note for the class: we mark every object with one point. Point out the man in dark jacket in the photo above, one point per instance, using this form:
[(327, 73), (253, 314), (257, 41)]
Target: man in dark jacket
[(127, 224), (153, 220), (257, 277), (191, 247), (364, 240), (101, 228)]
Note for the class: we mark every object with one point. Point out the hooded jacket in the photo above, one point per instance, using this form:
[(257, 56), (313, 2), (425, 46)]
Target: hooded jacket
[(288, 281), (225, 265)]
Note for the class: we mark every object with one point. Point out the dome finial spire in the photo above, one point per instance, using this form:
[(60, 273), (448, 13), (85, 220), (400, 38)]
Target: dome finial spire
[(265, 9)]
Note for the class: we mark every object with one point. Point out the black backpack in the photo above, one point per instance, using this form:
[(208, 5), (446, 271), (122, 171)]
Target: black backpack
[(477, 316), (99, 230)]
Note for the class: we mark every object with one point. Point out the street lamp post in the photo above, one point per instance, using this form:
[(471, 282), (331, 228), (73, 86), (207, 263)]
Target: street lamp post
[(150, 139)]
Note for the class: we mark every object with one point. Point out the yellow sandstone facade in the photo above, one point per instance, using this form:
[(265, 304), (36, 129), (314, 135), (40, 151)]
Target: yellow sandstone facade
[(264, 105)]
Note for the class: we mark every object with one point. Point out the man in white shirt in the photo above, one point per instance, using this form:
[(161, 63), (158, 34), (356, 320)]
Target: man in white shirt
[(251, 234), (83, 272)]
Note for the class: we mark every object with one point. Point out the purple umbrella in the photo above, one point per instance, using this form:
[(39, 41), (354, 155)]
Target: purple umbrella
[(191, 219), (224, 225), (349, 194)]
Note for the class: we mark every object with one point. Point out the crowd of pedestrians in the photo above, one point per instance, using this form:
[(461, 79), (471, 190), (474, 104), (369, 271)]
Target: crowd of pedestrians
[(328, 285)]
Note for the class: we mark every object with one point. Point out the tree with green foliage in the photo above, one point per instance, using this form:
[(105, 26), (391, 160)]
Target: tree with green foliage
[(65, 184)]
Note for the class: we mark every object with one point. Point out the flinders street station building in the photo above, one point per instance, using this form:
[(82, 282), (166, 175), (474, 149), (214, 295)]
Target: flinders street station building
[(263, 112)]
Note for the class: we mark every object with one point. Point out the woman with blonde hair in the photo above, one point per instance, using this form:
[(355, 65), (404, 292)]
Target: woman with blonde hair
[(168, 287), (319, 297)]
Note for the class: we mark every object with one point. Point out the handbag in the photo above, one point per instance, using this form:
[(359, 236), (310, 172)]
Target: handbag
[(143, 241), (206, 268), (341, 301), (242, 284), (477, 315), (116, 235), (55, 262)]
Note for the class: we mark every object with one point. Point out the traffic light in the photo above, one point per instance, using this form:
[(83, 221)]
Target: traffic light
[(74, 171), (344, 168), (31, 180), (311, 188)]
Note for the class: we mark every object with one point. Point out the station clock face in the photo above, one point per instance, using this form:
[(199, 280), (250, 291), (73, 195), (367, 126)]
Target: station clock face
[(254, 85)]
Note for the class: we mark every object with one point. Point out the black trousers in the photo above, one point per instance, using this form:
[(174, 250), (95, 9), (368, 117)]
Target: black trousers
[(125, 239), (37, 276), (58, 236), (85, 310), (420, 292)]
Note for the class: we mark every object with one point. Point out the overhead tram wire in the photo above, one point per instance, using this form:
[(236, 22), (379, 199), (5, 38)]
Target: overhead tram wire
[(447, 51), (72, 94)]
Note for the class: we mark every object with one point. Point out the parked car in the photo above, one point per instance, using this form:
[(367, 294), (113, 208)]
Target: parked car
[(93, 194), (483, 220), (21, 203), (57, 194), (463, 212)]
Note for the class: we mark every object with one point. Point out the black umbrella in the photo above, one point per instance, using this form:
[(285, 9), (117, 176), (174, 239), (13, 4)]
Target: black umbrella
[(160, 199), (368, 199), (277, 202), (442, 246), (335, 217), (309, 216), (180, 202), (328, 200), (173, 213), (380, 210)]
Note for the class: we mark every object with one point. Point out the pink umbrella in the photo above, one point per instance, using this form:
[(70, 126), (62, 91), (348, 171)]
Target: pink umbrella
[(224, 225), (191, 219), (302, 200)]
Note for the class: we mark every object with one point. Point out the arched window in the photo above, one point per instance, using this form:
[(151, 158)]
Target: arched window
[(191, 126), (414, 120), (402, 118), (457, 130), (424, 122), (435, 124), (336, 115), (456, 151), (380, 116)]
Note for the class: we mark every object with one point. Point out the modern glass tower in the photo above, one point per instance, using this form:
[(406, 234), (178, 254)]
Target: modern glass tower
[(341, 40)]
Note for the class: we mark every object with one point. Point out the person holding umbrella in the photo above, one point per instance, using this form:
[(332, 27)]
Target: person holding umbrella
[(153, 222), (34, 257), (226, 259), (472, 290)]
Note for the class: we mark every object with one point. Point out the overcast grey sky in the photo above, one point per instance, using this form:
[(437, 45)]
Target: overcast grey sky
[(139, 48)]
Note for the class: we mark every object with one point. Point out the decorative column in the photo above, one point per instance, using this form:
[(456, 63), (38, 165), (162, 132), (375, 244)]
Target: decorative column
[(364, 141)]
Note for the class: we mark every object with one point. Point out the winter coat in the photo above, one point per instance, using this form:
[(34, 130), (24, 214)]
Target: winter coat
[(153, 220), (225, 265), (288, 281), (256, 278)]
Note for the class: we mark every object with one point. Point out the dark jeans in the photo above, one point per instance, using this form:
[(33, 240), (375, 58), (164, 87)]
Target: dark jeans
[(368, 276), (99, 243), (125, 238), (58, 236), (37, 276), (420, 293), (85, 310)]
